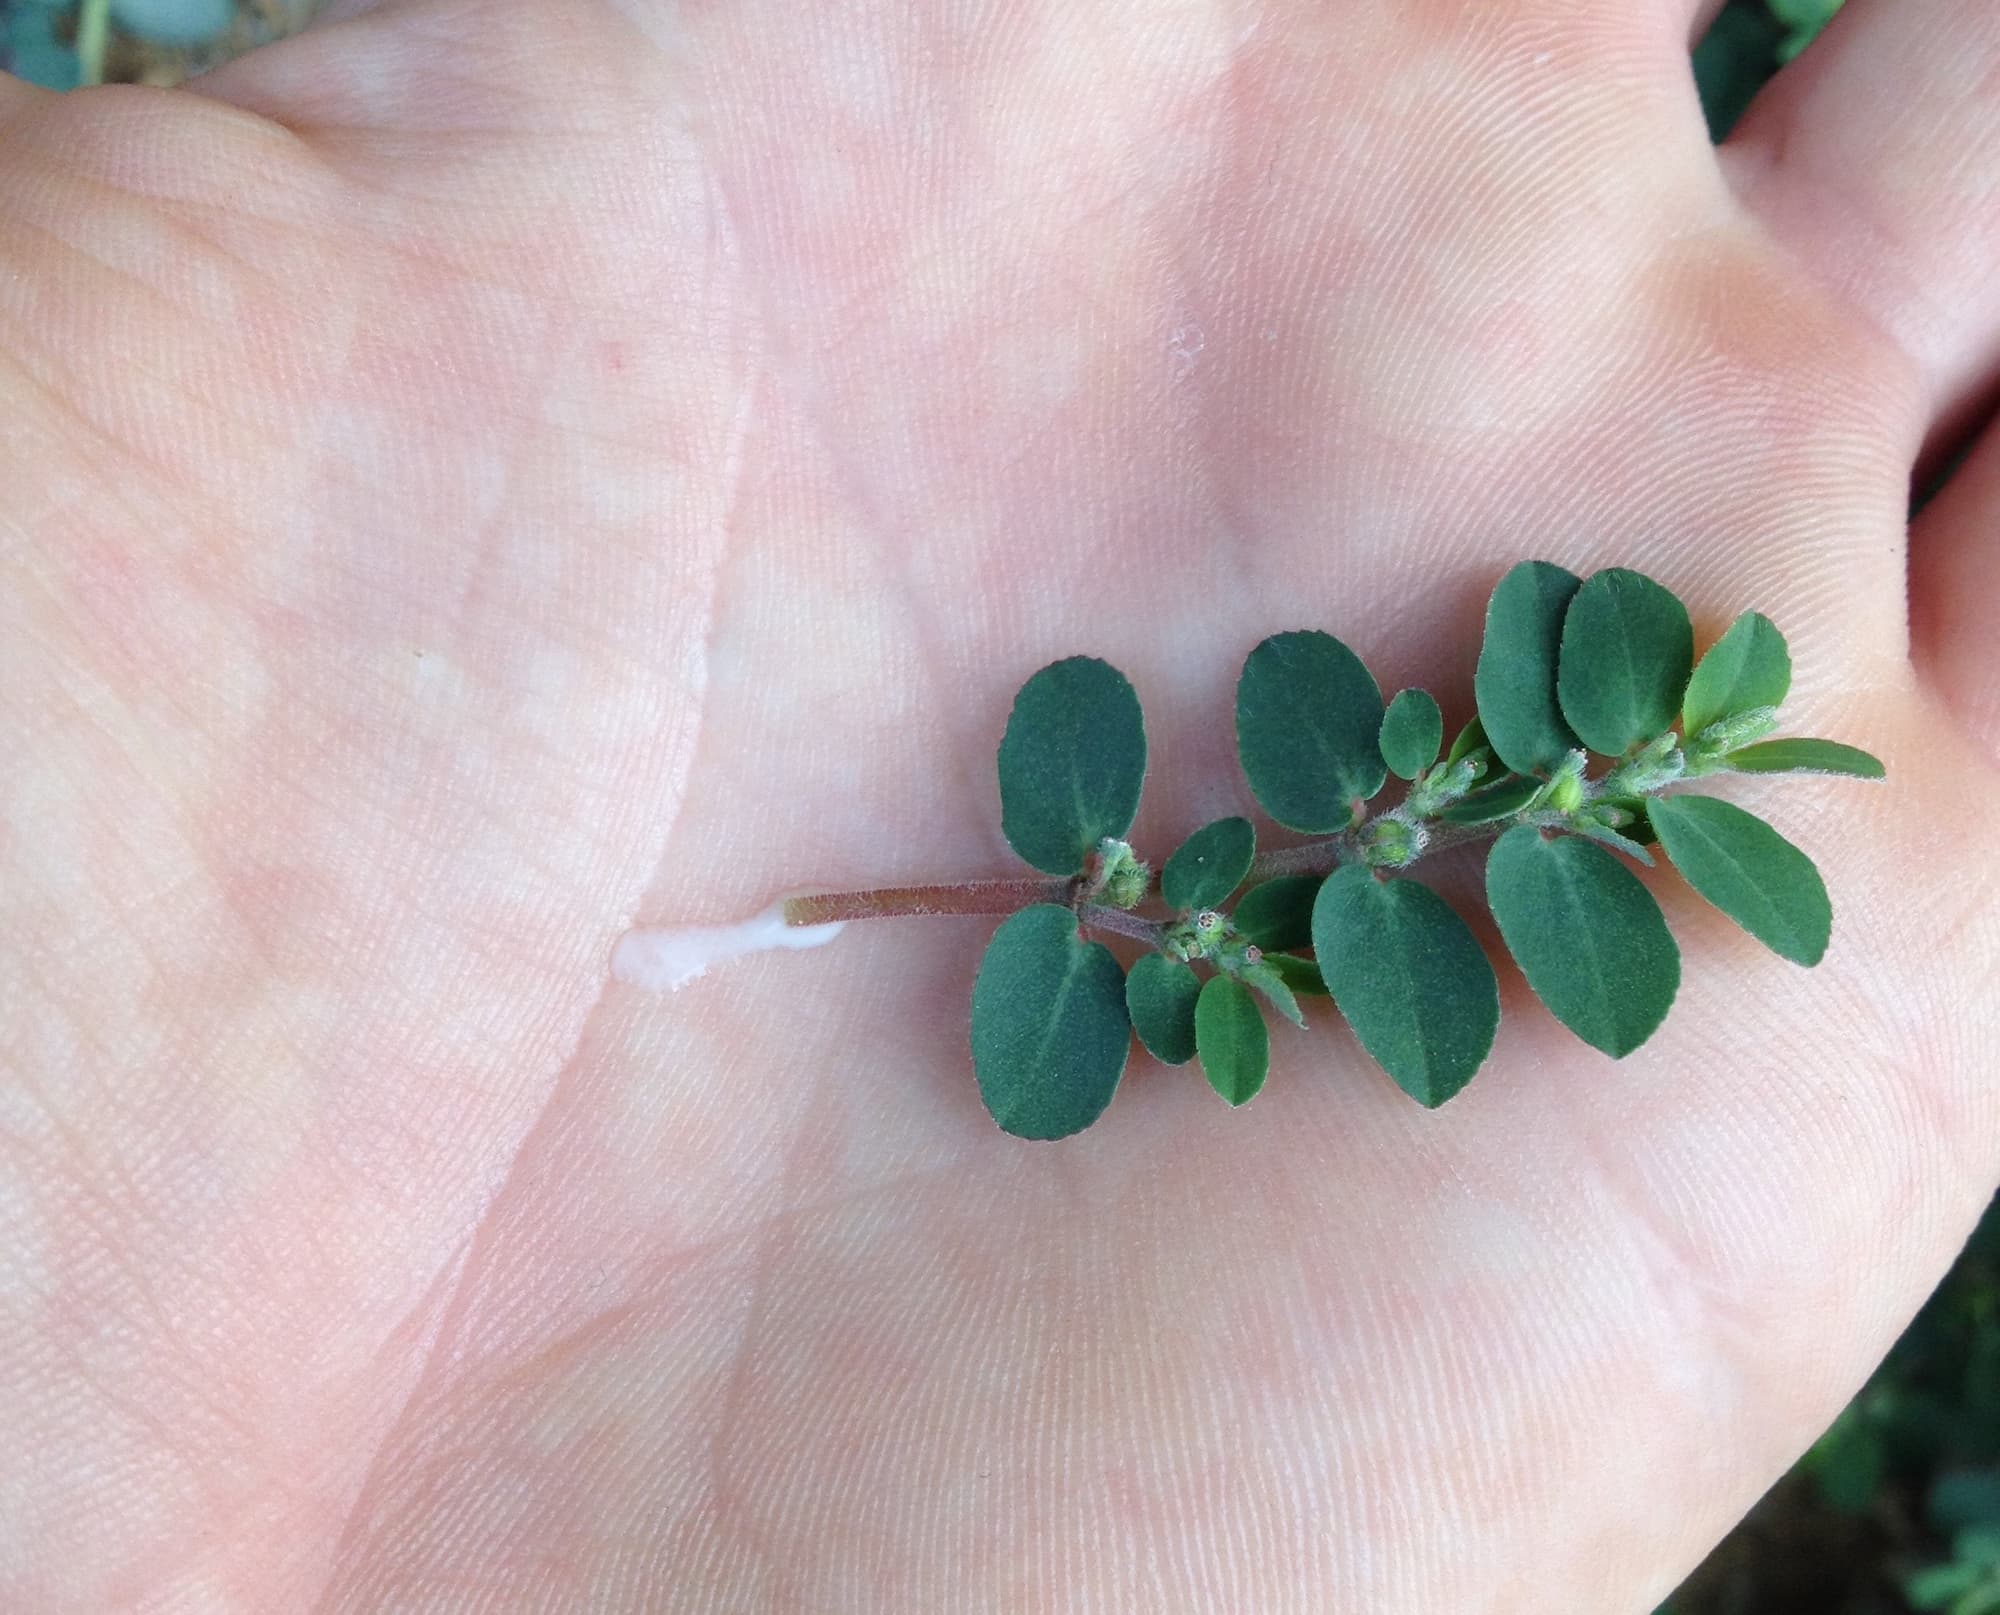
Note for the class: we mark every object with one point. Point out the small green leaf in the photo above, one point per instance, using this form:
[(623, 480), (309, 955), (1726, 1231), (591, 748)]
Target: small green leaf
[(1301, 975), (1747, 667), (1627, 649), (1209, 865), (1468, 739), (1160, 993), (1071, 763), (1412, 731), (1049, 1028), (1500, 800), (1801, 756), (1515, 682), (1410, 977), (1587, 935), (1749, 871), (1278, 913), (1939, 1586), (1307, 719), (1605, 836), (1230, 1034), (1269, 980), (1640, 827)]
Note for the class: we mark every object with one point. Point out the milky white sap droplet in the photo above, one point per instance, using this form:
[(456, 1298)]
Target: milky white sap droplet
[(669, 958)]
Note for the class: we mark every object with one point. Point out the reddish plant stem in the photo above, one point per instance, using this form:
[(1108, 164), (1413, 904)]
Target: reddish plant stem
[(966, 897), (1005, 896), (1118, 922), (1308, 858), (954, 897)]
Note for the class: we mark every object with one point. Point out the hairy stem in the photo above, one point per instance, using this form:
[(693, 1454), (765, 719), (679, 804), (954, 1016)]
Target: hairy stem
[(1119, 923), (954, 897), (1308, 858), (1319, 857)]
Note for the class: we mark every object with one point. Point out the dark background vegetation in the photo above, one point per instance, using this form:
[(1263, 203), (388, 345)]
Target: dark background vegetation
[(1897, 1507)]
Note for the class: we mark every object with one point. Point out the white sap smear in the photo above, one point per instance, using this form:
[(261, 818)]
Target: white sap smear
[(662, 961)]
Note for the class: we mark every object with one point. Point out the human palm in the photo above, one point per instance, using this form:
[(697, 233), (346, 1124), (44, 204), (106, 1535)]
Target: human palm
[(479, 477)]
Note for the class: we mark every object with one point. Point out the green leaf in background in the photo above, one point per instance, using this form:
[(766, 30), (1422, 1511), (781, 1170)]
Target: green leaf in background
[(1627, 651), (1268, 979), (1307, 719), (1963, 1497), (1071, 763), (1278, 913), (1049, 1027), (1410, 977), (1209, 865), (1749, 871), (1160, 994), (1847, 1462), (1747, 667), (1301, 975), (1802, 756), (1587, 935), (1500, 800), (1942, 1586), (1412, 731), (1230, 1034), (1470, 738), (1515, 681), (1979, 1544)]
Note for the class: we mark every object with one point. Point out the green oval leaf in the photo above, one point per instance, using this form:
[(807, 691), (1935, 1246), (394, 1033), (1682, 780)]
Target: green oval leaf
[(1587, 935), (1747, 667), (1278, 913), (1412, 732), (1471, 738), (1627, 649), (1301, 975), (1307, 719), (1605, 836), (1071, 763), (1802, 756), (1749, 871), (1410, 977), (1230, 1034), (1209, 865), (1049, 1026), (1269, 979), (1515, 681), (1500, 800), (1160, 994)]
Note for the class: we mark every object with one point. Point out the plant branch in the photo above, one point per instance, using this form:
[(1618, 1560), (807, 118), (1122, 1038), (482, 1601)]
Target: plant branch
[(1319, 857), (1120, 923), (954, 897), (1308, 858)]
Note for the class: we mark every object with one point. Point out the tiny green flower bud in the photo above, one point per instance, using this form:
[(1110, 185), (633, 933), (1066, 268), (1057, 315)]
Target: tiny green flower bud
[(1389, 843), (1727, 734), (1123, 878)]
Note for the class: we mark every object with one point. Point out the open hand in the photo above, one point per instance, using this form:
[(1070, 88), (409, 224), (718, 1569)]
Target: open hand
[(481, 475)]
